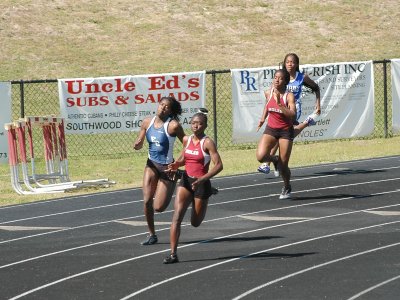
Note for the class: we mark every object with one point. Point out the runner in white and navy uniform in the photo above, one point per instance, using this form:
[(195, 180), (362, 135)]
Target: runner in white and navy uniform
[(160, 132), (195, 186)]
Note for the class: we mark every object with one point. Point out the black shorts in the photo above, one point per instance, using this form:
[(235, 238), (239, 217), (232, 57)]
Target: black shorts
[(203, 190), (286, 134), (159, 169)]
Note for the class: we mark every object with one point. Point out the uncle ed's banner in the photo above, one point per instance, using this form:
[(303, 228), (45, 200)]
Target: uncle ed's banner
[(347, 101), (119, 104), (395, 71)]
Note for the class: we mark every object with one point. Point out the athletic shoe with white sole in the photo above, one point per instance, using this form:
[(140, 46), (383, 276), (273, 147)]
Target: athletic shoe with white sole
[(264, 168), (171, 259), (286, 193), (276, 173), (310, 120), (150, 240)]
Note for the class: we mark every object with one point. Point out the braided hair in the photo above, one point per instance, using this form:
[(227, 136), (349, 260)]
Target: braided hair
[(297, 61), (176, 108)]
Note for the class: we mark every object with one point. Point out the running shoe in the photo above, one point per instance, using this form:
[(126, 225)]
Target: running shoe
[(286, 193), (310, 120), (150, 240), (171, 259), (275, 163), (264, 168), (276, 173)]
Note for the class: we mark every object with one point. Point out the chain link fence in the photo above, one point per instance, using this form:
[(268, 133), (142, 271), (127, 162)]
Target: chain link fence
[(40, 97)]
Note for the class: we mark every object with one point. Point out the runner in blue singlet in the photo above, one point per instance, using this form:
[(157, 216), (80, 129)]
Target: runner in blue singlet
[(160, 132)]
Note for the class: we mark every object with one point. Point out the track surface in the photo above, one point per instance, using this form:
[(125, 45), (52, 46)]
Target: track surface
[(338, 238)]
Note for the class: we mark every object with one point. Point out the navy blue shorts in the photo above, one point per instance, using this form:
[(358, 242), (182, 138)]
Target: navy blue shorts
[(286, 134), (203, 190), (159, 169)]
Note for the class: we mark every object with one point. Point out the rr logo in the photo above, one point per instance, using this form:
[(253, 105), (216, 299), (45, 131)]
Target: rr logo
[(249, 82)]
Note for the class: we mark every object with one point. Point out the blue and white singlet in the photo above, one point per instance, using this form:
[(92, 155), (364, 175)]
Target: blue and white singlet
[(161, 144), (295, 86)]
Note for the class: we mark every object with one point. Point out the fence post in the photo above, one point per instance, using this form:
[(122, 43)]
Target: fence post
[(385, 102), (214, 97), (21, 93)]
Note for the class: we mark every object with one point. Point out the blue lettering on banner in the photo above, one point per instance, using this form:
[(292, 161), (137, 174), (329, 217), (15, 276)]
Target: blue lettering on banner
[(249, 82)]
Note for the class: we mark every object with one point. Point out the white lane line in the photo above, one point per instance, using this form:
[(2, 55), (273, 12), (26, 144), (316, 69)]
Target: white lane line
[(143, 223), (67, 198), (210, 266), (317, 166), (215, 178), (211, 204), (270, 218), (70, 212), (385, 213), (236, 187), (137, 201), (27, 228), (183, 224), (249, 255), (374, 287), (313, 268)]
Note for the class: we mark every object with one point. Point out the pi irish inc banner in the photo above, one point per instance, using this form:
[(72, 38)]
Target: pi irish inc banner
[(347, 101), (119, 104), (395, 70)]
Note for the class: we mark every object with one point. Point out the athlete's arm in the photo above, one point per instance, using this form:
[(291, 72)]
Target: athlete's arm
[(175, 129), (181, 160), (265, 111), (142, 133), (209, 146), (290, 110), (315, 88)]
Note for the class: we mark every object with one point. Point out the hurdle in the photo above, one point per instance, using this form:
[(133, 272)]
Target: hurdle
[(55, 157), (35, 178)]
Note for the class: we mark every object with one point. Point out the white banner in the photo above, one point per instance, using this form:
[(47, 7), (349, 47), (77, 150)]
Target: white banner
[(347, 101), (5, 117), (395, 70), (119, 104)]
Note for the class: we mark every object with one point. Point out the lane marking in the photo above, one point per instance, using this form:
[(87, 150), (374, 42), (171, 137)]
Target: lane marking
[(209, 266), (215, 178), (27, 228), (249, 255), (313, 268), (385, 213), (142, 223), (236, 187), (374, 287), (205, 221), (212, 204), (269, 218)]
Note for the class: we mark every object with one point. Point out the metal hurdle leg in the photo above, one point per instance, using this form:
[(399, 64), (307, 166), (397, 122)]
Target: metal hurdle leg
[(63, 158), (13, 160), (46, 123)]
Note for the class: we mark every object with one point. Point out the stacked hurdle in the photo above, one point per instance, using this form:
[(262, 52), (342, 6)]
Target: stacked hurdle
[(56, 177)]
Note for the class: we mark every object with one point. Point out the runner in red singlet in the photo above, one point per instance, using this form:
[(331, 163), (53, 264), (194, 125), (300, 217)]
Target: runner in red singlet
[(195, 186), (281, 112)]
